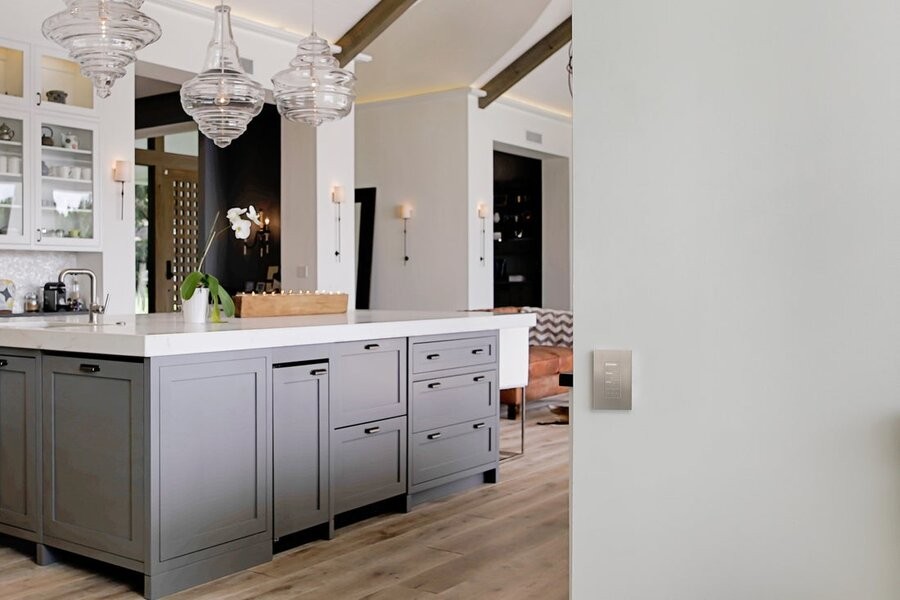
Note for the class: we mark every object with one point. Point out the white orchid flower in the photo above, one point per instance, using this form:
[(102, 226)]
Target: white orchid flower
[(234, 214), (241, 228), (253, 216)]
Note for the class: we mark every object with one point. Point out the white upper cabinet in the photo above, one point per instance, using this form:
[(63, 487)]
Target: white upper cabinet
[(48, 155)]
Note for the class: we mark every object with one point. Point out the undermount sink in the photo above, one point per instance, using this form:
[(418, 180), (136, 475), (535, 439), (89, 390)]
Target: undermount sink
[(38, 324)]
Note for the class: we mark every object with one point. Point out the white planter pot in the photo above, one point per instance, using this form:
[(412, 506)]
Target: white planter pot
[(196, 309)]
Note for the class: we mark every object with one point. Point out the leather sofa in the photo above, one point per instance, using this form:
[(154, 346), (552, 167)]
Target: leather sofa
[(549, 354)]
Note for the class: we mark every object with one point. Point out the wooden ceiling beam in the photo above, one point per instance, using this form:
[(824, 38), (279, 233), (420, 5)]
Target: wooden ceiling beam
[(528, 62), (370, 27)]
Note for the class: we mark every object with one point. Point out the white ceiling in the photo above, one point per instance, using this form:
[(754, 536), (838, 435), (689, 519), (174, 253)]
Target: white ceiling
[(436, 45)]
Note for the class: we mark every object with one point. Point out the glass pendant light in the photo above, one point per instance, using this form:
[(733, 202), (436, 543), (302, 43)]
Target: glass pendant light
[(102, 36), (222, 98), (315, 89)]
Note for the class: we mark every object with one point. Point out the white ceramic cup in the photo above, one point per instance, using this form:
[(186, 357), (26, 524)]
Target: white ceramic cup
[(86, 173), (15, 165), (65, 171), (75, 172), (4, 164)]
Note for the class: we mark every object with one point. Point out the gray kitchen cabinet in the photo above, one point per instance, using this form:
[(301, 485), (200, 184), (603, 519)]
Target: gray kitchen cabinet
[(211, 444), (300, 437), (452, 450), (368, 381), (453, 411), (93, 462), (19, 446), (368, 463)]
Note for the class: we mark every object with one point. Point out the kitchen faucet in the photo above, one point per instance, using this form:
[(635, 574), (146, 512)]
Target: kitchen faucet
[(94, 306)]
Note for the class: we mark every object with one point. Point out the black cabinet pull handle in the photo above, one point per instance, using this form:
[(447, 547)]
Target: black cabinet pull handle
[(478, 426), (39, 98), (434, 386), (372, 346), (432, 357), (478, 378), (434, 436), (371, 430), (478, 351), (317, 372), (3, 362), (90, 368)]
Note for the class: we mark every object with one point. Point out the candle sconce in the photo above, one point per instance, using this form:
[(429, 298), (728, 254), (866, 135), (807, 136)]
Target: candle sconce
[(260, 239), (483, 214), (405, 211)]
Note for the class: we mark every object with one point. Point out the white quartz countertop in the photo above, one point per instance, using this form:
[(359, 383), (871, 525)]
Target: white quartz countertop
[(169, 335)]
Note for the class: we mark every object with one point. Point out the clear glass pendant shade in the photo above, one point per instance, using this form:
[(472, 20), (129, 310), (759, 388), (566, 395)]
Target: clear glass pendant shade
[(314, 90), (102, 36), (222, 99)]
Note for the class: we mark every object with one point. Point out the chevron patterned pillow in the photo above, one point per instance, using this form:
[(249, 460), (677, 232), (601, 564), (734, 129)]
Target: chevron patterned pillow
[(553, 327)]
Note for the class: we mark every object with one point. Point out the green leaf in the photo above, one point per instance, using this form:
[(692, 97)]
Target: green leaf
[(214, 288), (227, 302), (191, 283)]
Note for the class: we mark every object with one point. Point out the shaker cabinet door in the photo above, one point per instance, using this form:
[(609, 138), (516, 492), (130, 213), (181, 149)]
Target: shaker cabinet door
[(19, 437), (369, 381), (300, 433), (93, 432)]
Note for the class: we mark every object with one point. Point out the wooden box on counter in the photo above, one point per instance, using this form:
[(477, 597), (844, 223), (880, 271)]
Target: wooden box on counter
[(289, 304)]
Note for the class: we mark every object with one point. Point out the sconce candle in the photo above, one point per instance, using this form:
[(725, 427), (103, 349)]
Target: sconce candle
[(404, 211)]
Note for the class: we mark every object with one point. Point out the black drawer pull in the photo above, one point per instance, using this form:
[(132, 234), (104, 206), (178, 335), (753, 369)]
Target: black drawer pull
[(434, 436), (90, 368), (372, 430), (478, 378), (317, 372), (478, 351), (3, 362), (479, 426), (432, 357), (434, 386), (372, 346)]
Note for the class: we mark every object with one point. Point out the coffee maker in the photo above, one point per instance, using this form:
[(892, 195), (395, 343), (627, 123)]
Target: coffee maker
[(54, 296)]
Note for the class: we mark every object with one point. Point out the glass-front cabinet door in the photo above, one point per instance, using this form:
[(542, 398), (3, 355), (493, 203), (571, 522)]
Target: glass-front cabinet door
[(13, 71), (60, 84), (13, 177), (66, 214)]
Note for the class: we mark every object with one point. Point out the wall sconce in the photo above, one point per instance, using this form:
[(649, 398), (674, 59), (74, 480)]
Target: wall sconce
[(261, 238), (483, 214), (405, 211), (337, 198), (122, 174)]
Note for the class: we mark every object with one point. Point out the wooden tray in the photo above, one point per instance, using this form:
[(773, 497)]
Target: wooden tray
[(283, 305)]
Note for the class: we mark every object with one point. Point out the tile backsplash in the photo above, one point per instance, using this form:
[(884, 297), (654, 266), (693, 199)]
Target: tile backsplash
[(31, 270)]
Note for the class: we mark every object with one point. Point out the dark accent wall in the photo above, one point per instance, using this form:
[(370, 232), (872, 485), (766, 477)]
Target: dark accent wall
[(246, 172)]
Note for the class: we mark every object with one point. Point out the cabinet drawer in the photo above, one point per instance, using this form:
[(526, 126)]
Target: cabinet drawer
[(453, 354), (369, 463), (368, 381), (450, 450), (444, 401)]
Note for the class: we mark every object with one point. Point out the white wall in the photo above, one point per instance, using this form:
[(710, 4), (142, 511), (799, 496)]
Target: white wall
[(504, 125), (115, 264), (414, 150), (736, 224)]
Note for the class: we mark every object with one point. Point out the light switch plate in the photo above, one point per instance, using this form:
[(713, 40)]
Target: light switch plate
[(612, 380)]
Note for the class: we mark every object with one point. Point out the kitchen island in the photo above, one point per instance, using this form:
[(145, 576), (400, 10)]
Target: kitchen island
[(182, 451)]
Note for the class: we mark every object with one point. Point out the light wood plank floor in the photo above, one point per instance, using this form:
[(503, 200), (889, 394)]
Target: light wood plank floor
[(508, 540)]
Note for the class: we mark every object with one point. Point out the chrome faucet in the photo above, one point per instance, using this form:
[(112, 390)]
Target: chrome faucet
[(94, 306)]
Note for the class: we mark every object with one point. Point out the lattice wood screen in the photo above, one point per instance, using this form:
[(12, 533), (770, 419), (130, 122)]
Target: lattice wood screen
[(185, 227)]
